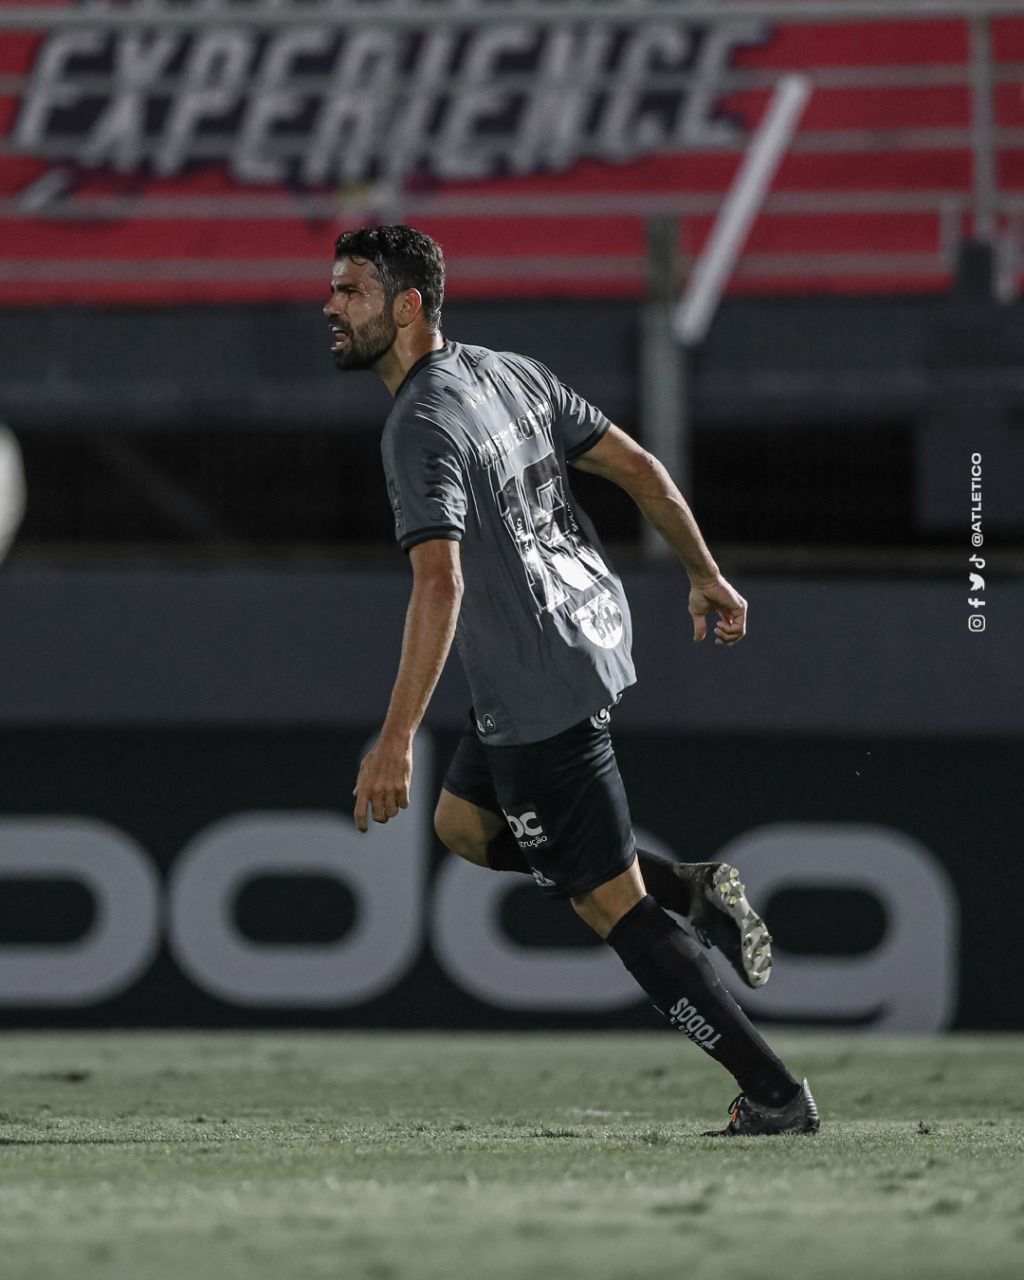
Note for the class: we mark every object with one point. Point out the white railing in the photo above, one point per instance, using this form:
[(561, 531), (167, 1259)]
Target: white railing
[(272, 15)]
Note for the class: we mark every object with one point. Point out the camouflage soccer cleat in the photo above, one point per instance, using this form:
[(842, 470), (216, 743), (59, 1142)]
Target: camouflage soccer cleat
[(722, 917), (752, 1120)]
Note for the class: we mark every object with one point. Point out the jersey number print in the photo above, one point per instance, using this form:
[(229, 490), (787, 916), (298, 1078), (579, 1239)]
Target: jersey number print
[(554, 552)]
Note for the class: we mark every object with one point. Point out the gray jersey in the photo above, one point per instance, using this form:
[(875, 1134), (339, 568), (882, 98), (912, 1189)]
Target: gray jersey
[(475, 449)]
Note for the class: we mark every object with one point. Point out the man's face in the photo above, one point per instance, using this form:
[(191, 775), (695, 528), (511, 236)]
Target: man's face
[(362, 325)]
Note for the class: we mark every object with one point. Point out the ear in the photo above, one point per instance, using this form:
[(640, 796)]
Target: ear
[(407, 307)]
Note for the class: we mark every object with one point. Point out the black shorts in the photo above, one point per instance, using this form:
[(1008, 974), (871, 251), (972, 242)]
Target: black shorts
[(563, 799)]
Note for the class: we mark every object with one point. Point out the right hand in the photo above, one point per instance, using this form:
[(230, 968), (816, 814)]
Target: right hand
[(382, 785)]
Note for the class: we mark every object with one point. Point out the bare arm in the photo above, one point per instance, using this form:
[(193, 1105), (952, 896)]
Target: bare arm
[(618, 457), (386, 771)]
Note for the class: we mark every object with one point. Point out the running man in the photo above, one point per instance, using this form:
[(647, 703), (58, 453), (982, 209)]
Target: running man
[(476, 452)]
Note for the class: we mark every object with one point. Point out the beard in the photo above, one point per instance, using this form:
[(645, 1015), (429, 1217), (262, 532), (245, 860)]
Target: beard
[(367, 345)]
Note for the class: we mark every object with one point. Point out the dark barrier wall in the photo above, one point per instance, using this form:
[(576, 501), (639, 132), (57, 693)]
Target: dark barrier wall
[(258, 647), (815, 421), (177, 753)]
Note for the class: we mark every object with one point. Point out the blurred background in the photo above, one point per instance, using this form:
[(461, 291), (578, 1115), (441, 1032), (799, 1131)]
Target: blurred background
[(781, 243)]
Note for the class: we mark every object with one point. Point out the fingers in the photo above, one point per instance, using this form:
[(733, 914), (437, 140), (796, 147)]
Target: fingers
[(359, 813), (731, 627), (376, 806), (724, 601), (378, 803), (385, 806)]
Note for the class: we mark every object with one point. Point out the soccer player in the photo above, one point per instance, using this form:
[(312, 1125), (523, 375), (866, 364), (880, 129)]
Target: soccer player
[(476, 450)]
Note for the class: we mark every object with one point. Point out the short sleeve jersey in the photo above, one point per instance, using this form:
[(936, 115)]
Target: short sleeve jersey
[(476, 449)]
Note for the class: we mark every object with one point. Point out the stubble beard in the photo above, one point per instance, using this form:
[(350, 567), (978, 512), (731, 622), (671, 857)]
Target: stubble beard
[(366, 346)]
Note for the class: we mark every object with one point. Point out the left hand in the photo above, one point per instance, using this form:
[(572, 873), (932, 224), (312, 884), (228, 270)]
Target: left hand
[(718, 596), (382, 785)]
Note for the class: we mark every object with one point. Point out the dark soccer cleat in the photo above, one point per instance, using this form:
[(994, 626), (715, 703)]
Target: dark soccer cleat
[(722, 917), (752, 1120)]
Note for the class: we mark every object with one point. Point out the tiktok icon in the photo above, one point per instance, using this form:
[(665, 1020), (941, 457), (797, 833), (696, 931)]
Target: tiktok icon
[(976, 621)]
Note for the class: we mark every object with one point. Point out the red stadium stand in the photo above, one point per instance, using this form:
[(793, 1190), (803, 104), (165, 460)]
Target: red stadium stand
[(878, 188)]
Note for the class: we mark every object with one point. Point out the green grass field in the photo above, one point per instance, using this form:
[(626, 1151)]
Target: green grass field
[(424, 1156)]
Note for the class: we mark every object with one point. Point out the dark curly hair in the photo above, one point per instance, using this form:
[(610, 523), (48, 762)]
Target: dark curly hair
[(405, 259)]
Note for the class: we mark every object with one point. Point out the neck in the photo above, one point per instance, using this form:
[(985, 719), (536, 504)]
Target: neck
[(403, 353)]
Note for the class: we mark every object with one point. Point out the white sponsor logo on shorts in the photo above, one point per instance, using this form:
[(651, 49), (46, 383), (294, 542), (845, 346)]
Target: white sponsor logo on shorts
[(526, 828)]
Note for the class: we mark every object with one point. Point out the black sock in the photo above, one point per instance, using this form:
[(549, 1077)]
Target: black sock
[(664, 886), (684, 987)]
